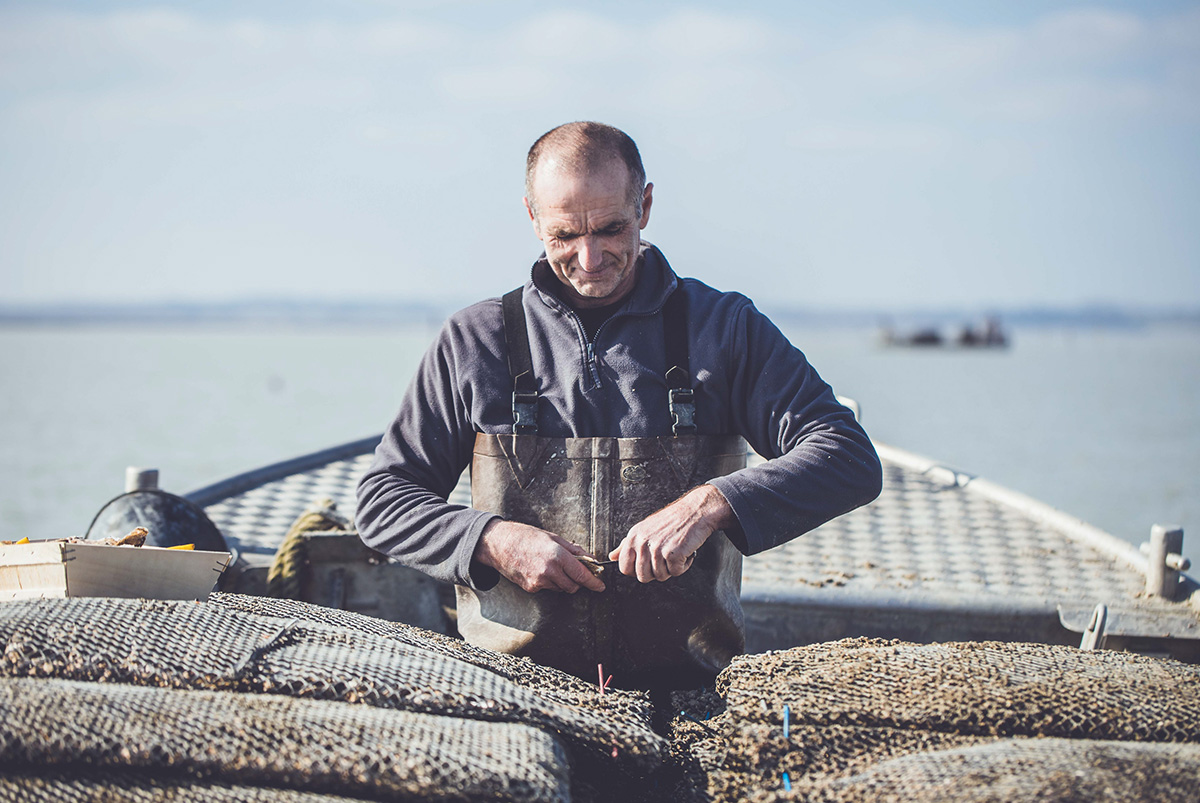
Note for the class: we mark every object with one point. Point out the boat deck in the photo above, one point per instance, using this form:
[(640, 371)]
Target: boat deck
[(940, 555)]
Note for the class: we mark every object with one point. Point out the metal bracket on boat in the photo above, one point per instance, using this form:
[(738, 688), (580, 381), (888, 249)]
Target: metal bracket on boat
[(948, 478), (852, 405), (337, 589), (1093, 636), (1138, 620), (140, 479), (1164, 561)]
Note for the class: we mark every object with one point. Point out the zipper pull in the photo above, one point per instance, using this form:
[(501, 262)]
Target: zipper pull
[(590, 365)]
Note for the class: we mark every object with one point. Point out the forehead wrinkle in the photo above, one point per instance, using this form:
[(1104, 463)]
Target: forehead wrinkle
[(578, 222), (558, 179)]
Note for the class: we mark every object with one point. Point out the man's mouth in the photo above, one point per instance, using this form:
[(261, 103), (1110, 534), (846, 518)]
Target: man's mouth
[(595, 272)]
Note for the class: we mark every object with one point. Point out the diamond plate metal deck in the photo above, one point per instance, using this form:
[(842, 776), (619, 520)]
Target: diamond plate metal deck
[(936, 541), (930, 534), (256, 520)]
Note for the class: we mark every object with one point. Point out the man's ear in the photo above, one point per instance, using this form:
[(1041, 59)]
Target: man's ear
[(647, 199), (532, 217)]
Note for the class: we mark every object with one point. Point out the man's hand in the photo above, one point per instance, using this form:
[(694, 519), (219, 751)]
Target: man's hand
[(662, 545), (534, 559)]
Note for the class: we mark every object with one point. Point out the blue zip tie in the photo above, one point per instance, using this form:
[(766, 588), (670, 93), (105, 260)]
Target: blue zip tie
[(787, 713), (787, 783), (686, 715)]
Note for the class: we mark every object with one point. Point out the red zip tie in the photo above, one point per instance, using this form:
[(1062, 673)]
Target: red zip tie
[(603, 683)]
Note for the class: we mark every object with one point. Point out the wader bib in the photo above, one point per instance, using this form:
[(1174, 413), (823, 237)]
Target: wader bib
[(591, 491)]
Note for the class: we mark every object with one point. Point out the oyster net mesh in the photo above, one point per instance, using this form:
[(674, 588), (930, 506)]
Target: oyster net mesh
[(868, 719), (1020, 769), (551, 683), (856, 703), (275, 741), (187, 645), (92, 786)]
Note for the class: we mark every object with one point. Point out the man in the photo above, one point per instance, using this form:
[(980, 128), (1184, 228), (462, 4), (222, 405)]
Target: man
[(601, 408)]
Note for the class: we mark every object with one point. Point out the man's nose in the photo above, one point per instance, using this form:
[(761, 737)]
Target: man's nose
[(591, 252)]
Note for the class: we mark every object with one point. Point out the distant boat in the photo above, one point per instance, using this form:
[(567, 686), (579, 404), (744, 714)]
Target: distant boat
[(989, 335)]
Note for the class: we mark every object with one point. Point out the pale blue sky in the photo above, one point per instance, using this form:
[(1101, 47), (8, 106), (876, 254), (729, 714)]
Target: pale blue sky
[(869, 154)]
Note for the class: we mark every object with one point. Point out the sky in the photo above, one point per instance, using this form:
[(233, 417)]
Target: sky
[(817, 154)]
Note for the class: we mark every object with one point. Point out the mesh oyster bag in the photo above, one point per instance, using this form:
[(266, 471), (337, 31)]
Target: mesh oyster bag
[(275, 741), (189, 645), (551, 683), (855, 703), (982, 688), (1065, 770), (54, 785)]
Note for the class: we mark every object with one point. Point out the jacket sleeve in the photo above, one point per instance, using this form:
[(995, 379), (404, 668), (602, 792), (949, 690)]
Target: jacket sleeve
[(820, 462), (402, 508)]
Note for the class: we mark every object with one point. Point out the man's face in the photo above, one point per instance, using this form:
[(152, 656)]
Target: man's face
[(590, 229)]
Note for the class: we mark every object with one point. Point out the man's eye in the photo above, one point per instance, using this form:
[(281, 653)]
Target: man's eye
[(562, 238), (612, 230)]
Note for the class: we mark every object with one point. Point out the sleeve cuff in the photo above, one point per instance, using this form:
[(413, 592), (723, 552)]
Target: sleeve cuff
[(744, 535), (470, 572)]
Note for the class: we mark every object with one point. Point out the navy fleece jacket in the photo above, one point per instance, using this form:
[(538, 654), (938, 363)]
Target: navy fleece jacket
[(748, 380)]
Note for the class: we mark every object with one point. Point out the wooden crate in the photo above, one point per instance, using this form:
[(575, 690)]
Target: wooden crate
[(54, 569)]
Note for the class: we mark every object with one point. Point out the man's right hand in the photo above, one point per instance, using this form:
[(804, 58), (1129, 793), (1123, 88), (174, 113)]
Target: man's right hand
[(534, 559)]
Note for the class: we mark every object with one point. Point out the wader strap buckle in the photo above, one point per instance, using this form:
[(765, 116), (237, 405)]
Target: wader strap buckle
[(520, 364), (524, 410), (683, 411), (680, 399)]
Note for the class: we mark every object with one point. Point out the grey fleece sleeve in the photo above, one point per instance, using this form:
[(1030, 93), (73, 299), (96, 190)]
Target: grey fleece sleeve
[(820, 464), (402, 508)]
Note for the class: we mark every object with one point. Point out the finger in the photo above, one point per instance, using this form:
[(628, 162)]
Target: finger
[(560, 580), (580, 574), (574, 549), (677, 563), (625, 557), (658, 565), (645, 569)]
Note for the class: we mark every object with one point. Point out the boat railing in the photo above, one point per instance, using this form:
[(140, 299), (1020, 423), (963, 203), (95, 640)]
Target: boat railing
[(240, 483)]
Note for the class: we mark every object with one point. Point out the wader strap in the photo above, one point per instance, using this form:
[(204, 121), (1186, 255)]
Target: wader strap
[(520, 365), (679, 377), (680, 398)]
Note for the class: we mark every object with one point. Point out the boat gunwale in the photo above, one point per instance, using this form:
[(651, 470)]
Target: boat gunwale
[(1071, 527), (249, 480)]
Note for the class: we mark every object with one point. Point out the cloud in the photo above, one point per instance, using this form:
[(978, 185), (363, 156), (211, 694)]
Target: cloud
[(888, 138), (1086, 36), (112, 73), (158, 66), (707, 37), (245, 128), (1080, 64)]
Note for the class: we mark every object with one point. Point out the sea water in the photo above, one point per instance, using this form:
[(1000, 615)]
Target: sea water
[(1101, 423)]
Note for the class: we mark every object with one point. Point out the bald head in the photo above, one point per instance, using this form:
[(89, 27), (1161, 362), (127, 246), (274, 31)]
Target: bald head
[(585, 148)]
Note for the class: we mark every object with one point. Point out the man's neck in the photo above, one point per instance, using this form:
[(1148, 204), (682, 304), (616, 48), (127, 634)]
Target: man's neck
[(594, 316)]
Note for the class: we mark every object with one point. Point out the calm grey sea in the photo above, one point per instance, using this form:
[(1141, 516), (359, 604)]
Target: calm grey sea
[(1103, 424)]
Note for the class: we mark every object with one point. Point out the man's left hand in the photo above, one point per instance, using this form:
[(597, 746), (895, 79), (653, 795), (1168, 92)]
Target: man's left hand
[(662, 545)]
